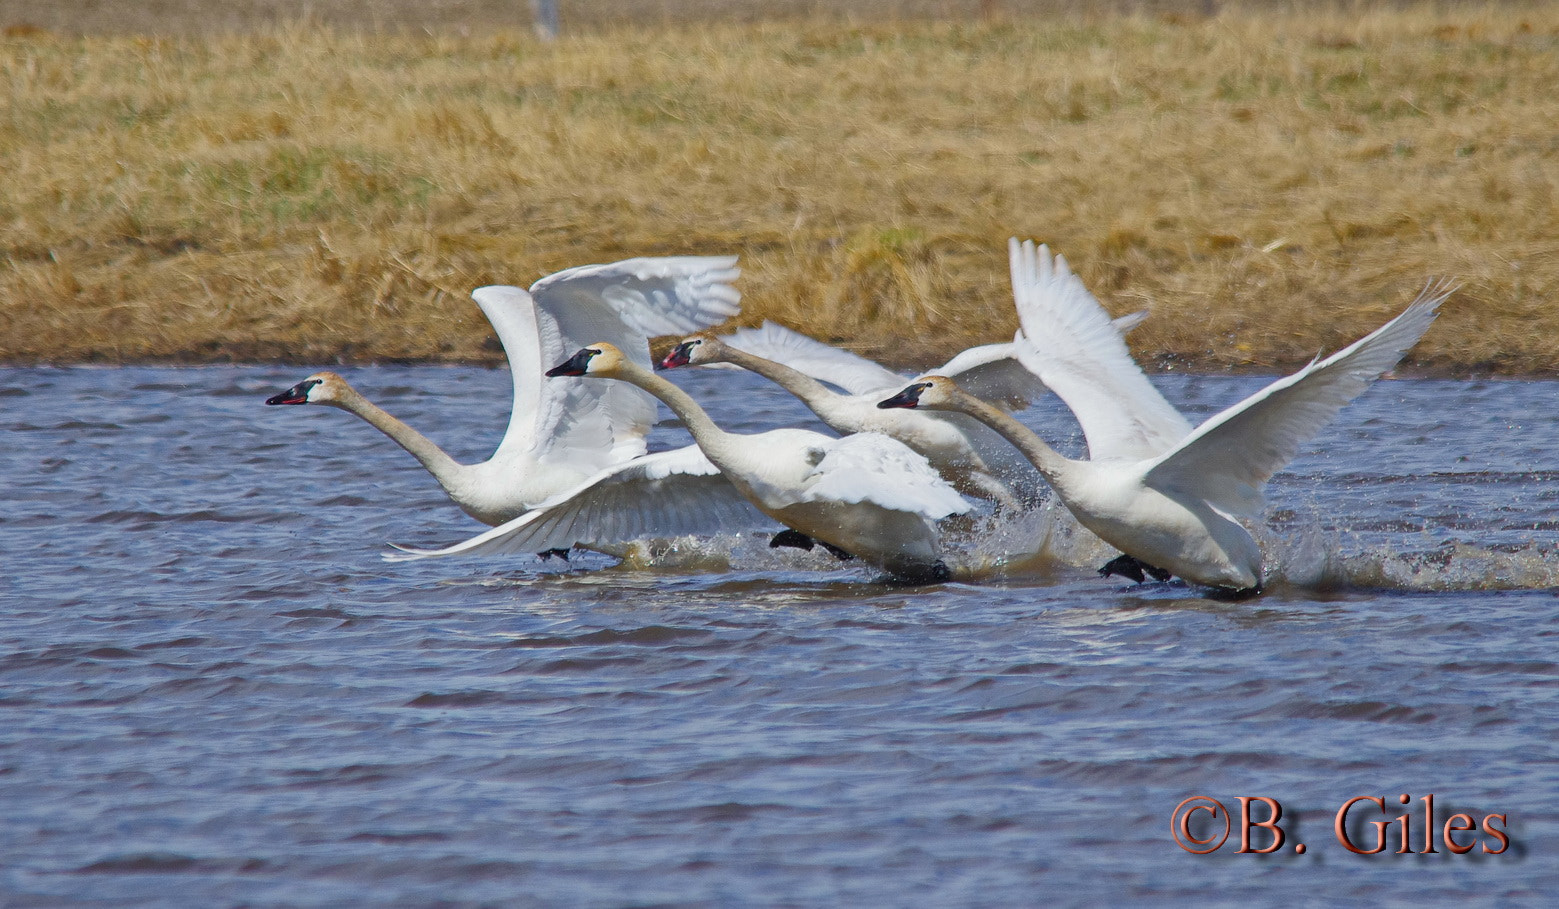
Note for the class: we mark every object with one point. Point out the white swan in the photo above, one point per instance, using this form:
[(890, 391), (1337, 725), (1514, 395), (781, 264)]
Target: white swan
[(663, 495), (866, 495), (1121, 413), (1175, 510), (975, 459), (560, 435)]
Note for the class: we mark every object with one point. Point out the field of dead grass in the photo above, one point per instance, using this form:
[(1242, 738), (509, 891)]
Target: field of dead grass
[(1269, 185)]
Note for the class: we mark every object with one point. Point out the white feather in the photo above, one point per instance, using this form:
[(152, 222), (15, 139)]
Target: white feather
[(665, 494), (851, 372), (560, 434), (1157, 490), (1080, 355), (1228, 458), (975, 459)]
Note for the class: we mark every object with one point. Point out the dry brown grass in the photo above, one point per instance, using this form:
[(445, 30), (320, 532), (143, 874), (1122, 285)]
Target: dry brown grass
[(462, 17), (1269, 185)]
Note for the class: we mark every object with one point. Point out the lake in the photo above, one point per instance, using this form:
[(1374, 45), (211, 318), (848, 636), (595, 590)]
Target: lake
[(213, 690)]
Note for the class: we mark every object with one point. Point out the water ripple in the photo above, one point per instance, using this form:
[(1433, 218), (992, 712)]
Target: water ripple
[(216, 693)]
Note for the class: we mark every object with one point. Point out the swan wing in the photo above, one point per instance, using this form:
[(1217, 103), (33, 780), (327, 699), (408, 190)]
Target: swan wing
[(1069, 341), (1228, 458), (591, 425), (1126, 323), (855, 374), (992, 372), (666, 494), (652, 297), (594, 422), (871, 467), (625, 303)]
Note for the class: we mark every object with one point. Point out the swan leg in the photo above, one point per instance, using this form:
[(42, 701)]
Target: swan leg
[(1234, 593), (838, 553), (1125, 566), (793, 539), (916, 574), (1133, 568), (549, 553)]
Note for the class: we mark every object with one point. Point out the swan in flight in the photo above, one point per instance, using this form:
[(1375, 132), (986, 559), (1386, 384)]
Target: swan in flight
[(563, 435), (666, 494), (973, 458), (865, 494), (1168, 499)]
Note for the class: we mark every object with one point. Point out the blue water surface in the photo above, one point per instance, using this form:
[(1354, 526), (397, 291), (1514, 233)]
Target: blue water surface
[(214, 692)]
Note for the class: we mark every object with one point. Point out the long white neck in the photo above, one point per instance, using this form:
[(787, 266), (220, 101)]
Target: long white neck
[(814, 394), (1054, 466), (444, 468), (714, 441)]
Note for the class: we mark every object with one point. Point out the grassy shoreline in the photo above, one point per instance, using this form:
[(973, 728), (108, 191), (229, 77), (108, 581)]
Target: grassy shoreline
[(1270, 186)]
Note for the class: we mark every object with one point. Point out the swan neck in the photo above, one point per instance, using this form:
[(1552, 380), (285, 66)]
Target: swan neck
[(1046, 459), (811, 392), (443, 467), (711, 438)]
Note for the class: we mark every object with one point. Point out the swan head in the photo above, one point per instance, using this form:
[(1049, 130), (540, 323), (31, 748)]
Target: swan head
[(320, 388), (596, 360), (925, 393), (695, 350)]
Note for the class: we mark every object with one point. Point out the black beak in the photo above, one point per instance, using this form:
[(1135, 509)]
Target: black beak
[(576, 365), (681, 355), (909, 397), (297, 394)]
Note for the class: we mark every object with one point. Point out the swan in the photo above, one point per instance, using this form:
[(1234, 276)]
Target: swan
[(562, 435), (974, 459), (1175, 509), (666, 494), (865, 495)]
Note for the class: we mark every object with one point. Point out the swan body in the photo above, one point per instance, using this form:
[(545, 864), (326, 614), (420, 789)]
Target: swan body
[(967, 459), (973, 458), (666, 494), (865, 494), (559, 436), (1113, 499), (1173, 503)]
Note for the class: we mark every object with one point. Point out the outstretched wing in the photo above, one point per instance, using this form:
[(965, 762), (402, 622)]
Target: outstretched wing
[(1076, 350), (666, 494), (594, 421), (595, 424), (854, 374), (871, 467), (992, 372), (1228, 458), (650, 297)]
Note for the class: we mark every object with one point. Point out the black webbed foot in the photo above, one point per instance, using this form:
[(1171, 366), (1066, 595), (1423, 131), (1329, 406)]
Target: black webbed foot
[(1125, 566), (792, 539), (1133, 568), (838, 553), (795, 539), (549, 553), (1233, 594), (917, 574)]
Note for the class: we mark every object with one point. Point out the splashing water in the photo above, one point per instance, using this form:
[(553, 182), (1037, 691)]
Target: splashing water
[(213, 691)]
